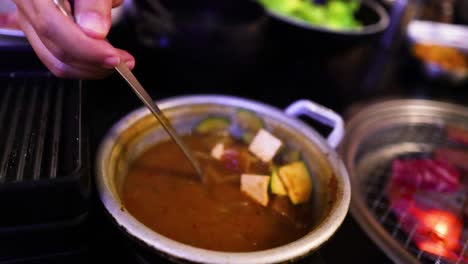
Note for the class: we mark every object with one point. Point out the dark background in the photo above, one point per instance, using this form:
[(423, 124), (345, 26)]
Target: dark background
[(236, 49)]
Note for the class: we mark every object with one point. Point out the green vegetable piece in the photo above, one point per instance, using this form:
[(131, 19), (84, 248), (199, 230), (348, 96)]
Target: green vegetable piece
[(276, 186), (340, 14), (247, 137), (335, 14), (287, 155), (338, 8), (312, 14), (212, 125), (282, 6), (354, 5), (245, 125), (248, 120), (292, 156)]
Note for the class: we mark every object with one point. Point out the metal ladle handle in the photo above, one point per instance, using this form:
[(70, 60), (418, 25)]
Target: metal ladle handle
[(128, 76), (132, 81)]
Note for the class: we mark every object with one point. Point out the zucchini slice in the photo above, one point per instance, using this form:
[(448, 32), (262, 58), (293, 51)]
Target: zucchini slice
[(213, 124), (245, 125), (248, 120), (276, 186), (247, 137), (287, 155)]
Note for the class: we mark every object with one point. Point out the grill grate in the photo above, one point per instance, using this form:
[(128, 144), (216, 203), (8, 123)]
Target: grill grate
[(43, 173), (32, 123), (373, 164)]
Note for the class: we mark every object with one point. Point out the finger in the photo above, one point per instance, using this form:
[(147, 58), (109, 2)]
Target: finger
[(94, 17), (56, 66), (127, 58), (64, 39)]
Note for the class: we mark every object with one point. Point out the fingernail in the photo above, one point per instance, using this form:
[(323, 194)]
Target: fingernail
[(93, 22), (111, 62), (130, 64)]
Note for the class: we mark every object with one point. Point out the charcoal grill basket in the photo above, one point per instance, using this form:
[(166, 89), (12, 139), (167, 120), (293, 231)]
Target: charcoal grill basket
[(375, 136)]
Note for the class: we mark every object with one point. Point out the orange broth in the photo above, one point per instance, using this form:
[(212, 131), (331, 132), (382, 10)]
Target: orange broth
[(162, 191)]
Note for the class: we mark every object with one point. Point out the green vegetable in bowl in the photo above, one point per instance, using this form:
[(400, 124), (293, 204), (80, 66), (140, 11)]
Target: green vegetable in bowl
[(283, 6), (334, 14), (212, 124)]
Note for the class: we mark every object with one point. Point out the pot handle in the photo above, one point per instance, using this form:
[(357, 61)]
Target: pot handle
[(321, 114)]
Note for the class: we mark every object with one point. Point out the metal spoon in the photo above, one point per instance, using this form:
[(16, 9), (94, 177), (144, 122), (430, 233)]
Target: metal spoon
[(132, 81)]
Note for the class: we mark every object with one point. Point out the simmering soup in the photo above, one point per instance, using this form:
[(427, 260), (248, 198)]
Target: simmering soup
[(238, 208)]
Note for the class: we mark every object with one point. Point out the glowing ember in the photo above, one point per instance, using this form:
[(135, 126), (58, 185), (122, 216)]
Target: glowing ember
[(443, 229), (435, 230)]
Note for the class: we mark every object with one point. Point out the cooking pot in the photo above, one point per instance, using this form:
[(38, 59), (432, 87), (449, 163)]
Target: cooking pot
[(139, 130)]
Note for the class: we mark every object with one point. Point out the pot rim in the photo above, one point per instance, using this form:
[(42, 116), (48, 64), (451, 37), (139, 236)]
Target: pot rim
[(310, 242)]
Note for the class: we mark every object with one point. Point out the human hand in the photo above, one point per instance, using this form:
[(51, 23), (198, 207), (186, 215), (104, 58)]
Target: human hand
[(69, 49)]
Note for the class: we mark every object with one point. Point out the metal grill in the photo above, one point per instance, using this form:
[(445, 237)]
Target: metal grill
[(33, 125), (43, 177), (373, 165)]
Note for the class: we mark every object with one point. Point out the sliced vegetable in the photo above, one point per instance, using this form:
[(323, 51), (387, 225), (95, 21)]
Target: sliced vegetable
[(336, 14), (297, 181), (256, 187), (288, 155), (292, 156), (213, 124), (217, 151), (265, 145), (245, 125), (248, 120), (276, 185), (312, 14), (282, 6), (247, 137)]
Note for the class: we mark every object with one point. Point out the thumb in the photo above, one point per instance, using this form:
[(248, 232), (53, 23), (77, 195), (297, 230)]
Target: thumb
[(94, 17)]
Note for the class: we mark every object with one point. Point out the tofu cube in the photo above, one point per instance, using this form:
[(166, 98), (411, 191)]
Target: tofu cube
[(265, 145), (256, 187), (217, 151)]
